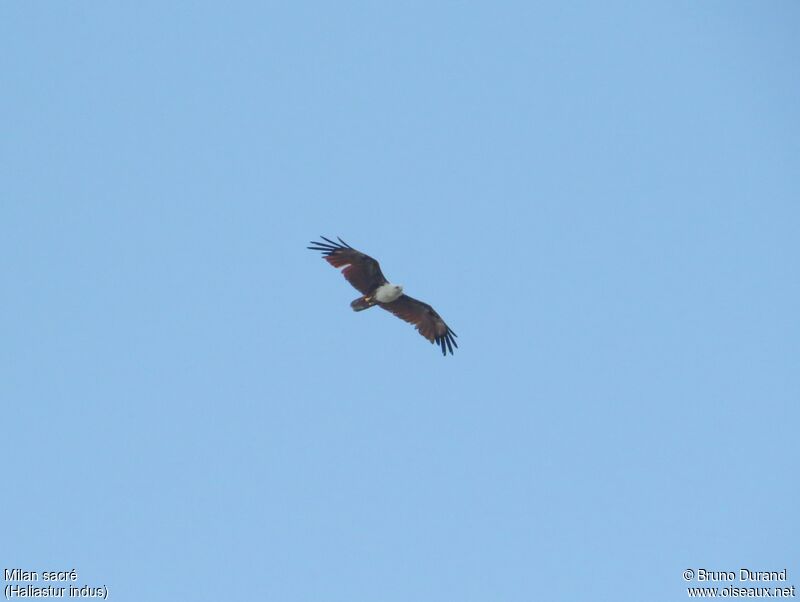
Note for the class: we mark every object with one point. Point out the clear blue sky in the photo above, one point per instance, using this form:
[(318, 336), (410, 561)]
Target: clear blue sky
[(602, 200)]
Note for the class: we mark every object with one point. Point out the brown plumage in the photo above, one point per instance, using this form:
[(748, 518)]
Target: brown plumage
[(364, 273)]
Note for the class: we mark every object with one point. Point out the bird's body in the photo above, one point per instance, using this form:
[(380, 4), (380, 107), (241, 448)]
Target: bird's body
[(385, 293), (364, 273)]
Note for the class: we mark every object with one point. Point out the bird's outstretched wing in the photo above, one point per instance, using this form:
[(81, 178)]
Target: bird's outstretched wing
[(424, 317), (362, 271)]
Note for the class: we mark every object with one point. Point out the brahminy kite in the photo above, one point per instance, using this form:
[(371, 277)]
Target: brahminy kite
[(364, 273)]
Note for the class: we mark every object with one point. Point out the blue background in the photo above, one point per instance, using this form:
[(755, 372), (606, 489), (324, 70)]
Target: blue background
[(601, 199)]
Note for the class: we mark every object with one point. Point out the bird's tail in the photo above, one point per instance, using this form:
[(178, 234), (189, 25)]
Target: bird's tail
[(362, 303)]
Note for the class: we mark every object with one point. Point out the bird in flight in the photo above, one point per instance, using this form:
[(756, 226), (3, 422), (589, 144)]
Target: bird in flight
[(364, 273)]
